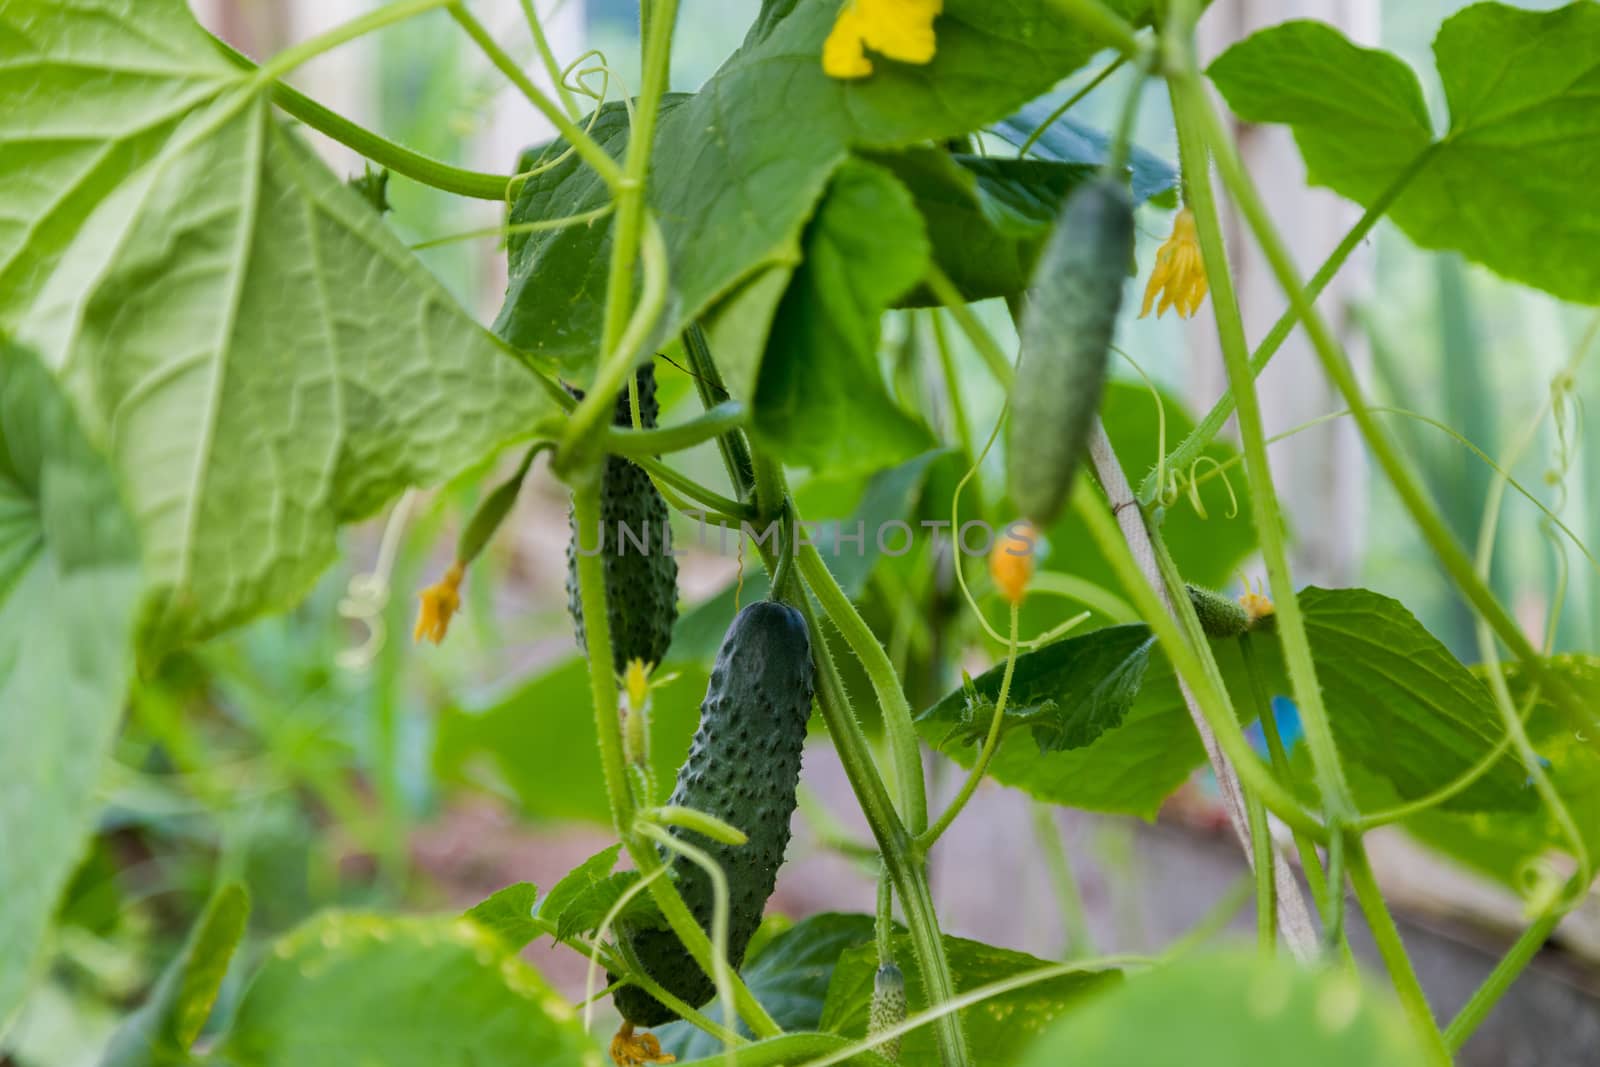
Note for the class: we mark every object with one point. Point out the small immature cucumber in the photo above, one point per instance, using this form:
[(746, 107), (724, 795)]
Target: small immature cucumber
[(636, 548), (1220, 615), (1066, 343), (888, 1008), (743, 767)]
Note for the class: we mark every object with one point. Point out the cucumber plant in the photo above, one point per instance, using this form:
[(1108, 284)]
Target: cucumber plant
[(215, 352)]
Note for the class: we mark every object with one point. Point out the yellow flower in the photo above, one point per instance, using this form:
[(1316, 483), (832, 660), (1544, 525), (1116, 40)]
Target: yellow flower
[(437, 603), (898, 29), (1180, 273), (629, 1049), (1011, 560), (1257, 606)]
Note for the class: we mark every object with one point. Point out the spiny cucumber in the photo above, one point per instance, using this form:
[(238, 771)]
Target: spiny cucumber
[(743, 767), (641, 574), (1066, 342)]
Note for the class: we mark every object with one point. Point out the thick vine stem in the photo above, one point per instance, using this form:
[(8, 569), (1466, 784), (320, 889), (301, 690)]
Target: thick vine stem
[(1408, 487), (1146, 583), (1268, 515), (904, 864), (905, 748), (608, 733)]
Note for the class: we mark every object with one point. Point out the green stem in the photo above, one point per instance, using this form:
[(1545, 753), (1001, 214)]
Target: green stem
[(588, 148), (1101, 21), (708, 383), (945, 291), (1510, 967), (905, 748), (397, 157), (991, 744), (377, 19), (952, 385), (1265, 864), (1067, 105), (1268, 512), (608, 733), (1190, 448), (1393, 951), (1074, 923), (726, 416), (1407, 486), (547, 56), (883, 926), (1213, 703), (1310, 862), (629, 227)]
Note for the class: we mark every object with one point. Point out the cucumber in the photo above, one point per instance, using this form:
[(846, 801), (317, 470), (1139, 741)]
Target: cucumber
[(1220, 616), (641, 585), (743, 767), (888, 1008), (1066, 345)]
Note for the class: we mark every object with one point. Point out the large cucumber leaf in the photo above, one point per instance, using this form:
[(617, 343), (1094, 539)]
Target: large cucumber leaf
[(353, 988), (1228, 1009), (259, 355), (739, 166), (1510, 183), (997, 1029), (69, 587), (1400, 706), (821, 400)]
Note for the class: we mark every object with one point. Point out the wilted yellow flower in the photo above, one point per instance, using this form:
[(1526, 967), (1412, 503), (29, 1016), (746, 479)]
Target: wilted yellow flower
[(1011, 560), (437, 604), (629, 1049), (1180, 272), (1257, 606), (898, 29)]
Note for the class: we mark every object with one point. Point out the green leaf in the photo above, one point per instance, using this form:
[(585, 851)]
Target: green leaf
[(1223, 1010), (821, 401), (1066, 140), (508, 914), (69, 587), (1400, 706), (537, 744), (583, 898), (1508, 184), (353, 988), (739, 166), (1068, 692), (986, 218), (258, 353), (997, 1029), (790, 977), (1506, 845), (788, 1050), (164, 1028)]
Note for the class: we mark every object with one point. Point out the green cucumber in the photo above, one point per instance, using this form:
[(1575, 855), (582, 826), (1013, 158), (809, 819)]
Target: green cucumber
[(642, 574), (1066, 345), (743, 767), (1220, 615), (888, 1008)]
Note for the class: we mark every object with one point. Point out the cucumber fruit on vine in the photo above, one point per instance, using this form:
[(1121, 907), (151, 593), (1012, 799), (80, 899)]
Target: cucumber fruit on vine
[(888, 1008), (743, 767), (1220, 615), (641, 578), (1066, 345)]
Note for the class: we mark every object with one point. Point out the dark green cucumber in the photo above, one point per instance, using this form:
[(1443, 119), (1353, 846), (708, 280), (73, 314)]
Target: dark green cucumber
[(642, 574), (1066, 345), (743, 767)]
